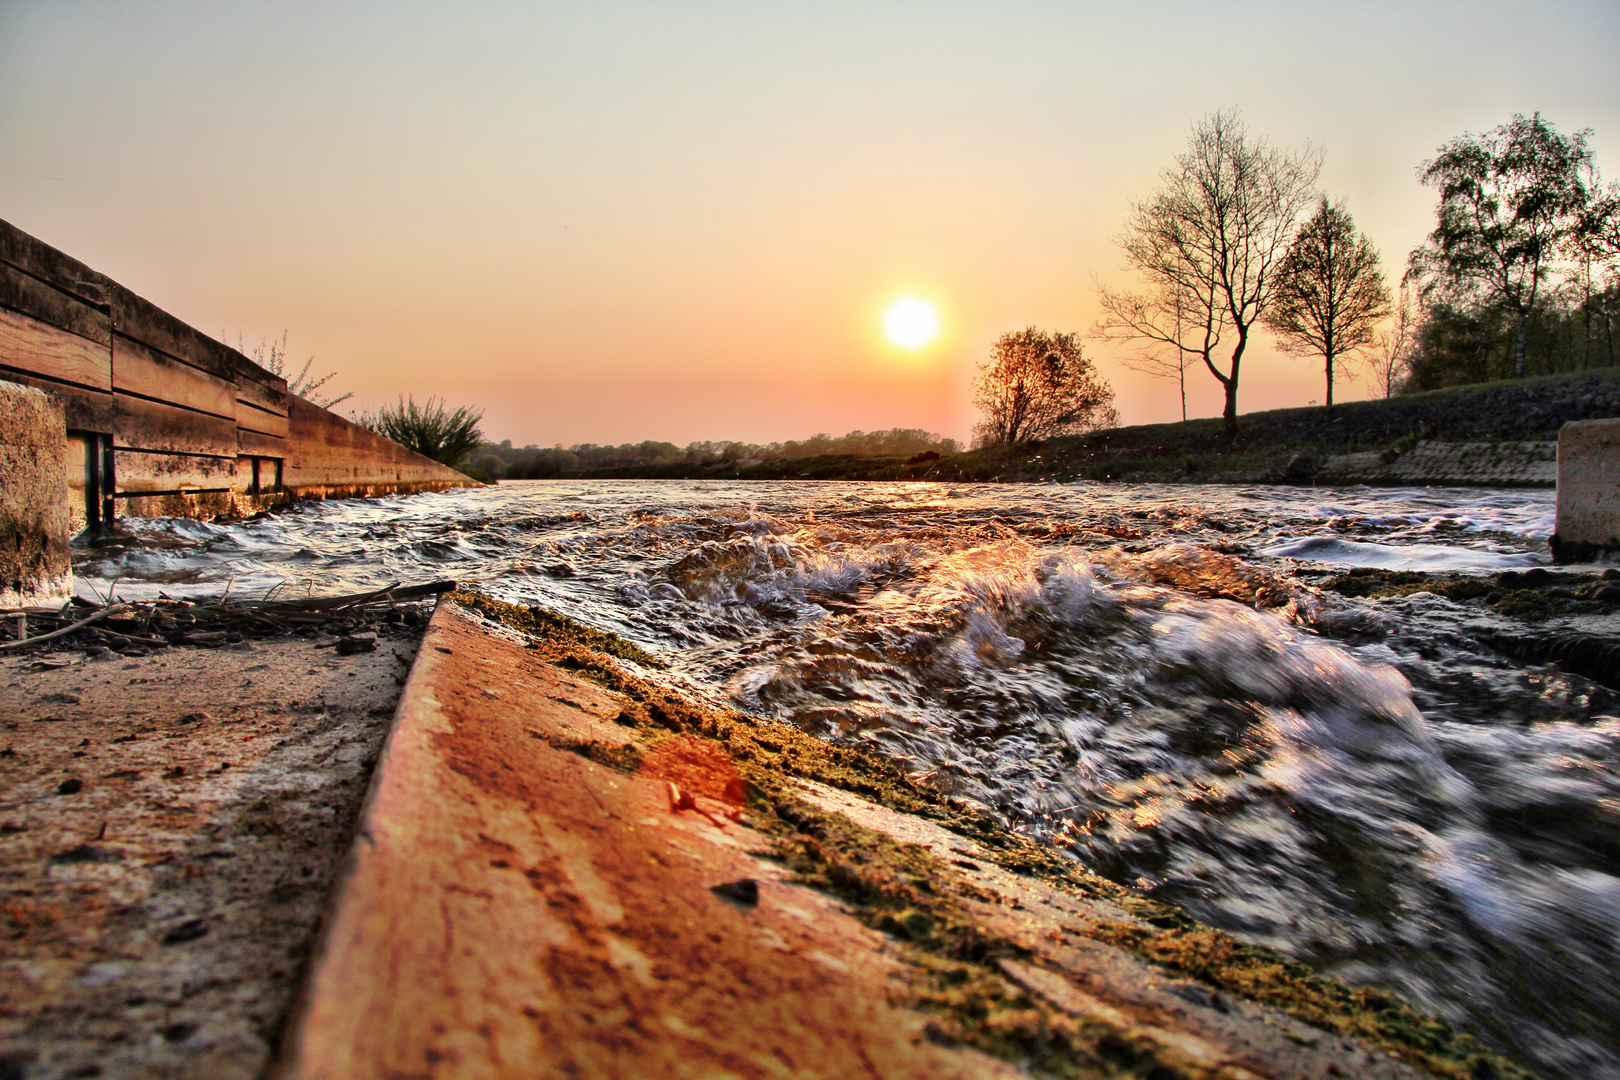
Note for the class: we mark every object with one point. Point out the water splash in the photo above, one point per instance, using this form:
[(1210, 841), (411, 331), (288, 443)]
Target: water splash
[(1143, 676)]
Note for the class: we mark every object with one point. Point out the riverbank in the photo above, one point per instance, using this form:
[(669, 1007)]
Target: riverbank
[(1501, 434), (721, 890), (570, 868)]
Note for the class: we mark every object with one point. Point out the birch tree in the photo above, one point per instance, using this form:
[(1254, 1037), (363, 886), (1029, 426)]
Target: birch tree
[(1036, 385), (1511, 200)]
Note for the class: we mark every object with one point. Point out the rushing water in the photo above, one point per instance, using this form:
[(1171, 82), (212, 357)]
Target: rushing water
[(1144, 676)]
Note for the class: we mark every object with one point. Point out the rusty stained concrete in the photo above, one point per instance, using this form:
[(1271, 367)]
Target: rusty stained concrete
[(516, 909), (1588, 516), (170, 828), (34, 511)]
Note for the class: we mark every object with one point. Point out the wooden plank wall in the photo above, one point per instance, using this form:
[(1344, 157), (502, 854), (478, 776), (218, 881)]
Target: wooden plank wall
[(192, 421)]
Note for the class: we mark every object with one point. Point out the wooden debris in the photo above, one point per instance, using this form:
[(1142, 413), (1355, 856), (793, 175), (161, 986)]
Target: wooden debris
[(216, 622)]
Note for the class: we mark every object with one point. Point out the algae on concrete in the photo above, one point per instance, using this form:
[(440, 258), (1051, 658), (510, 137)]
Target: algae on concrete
[(961, 966)]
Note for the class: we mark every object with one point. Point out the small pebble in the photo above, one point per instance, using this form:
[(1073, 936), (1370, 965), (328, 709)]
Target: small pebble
[(70, 786), (350, 644), (744, 891)]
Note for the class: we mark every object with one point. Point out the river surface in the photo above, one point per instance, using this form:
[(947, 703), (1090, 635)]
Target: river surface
[(1144, 676)]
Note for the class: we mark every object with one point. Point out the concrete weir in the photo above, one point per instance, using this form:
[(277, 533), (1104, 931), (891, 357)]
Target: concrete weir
[(161, 419), (564, 869), (34, 513), (1588, 491)]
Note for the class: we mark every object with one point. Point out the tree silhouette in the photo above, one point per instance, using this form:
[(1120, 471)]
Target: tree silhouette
[(1036, 385), (1330, 294), (1208, 243), (1511, 200)]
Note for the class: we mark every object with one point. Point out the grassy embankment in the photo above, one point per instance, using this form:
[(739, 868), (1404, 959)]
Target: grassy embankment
[(1513, 410)]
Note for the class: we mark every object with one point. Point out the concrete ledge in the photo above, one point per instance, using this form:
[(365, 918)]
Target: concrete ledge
[(1483, 464), (557, 879), (34, 512), (1588, 491)]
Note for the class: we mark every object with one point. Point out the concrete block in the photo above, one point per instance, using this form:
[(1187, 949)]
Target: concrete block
[(1588, 491), (34, 509)]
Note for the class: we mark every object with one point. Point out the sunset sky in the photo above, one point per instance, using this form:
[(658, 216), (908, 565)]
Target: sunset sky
[(609, 222)]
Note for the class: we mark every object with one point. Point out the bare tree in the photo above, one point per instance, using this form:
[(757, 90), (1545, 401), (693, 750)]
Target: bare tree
[(1036, 385), (1164, 329), (1330, 292), (1210, 239), (1510, 202), (1389, 362)]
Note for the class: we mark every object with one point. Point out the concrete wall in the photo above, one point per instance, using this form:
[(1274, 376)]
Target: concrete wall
[(166, 420), (1484, 464), (34, 566), (1588, 491)]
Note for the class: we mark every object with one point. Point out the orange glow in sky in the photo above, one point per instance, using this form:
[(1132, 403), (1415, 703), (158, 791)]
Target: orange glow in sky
[(619, 221)]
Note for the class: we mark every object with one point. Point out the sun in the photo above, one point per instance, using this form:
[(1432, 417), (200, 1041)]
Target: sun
[(911, 323)]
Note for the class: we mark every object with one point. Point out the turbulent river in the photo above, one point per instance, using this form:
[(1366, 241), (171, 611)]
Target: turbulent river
[(1143, 675)]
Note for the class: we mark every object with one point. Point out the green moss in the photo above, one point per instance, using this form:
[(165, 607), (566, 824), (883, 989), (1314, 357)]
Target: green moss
[(555, 627), (1375, 584), (1556, 594), (903, 890)]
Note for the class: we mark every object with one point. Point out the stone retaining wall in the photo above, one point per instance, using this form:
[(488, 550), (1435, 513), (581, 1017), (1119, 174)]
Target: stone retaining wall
[(1507, 464)]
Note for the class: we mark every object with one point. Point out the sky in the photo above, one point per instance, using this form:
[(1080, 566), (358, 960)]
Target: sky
[(608, 222)]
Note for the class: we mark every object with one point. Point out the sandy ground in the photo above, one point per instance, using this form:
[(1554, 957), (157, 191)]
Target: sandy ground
[(170, 829)]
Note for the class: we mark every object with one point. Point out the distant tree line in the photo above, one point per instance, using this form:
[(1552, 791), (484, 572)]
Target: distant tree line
[(505, 461)]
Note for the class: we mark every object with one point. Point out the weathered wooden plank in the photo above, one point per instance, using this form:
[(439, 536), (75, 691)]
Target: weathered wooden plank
[(37, 299), (140, 370), (262, 395), (328, 449), (78, 477), (139, 472), (29, 345), (87, 410), (143, 321), (249, 418), (259, 444), (40, 260), (151, 425)]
